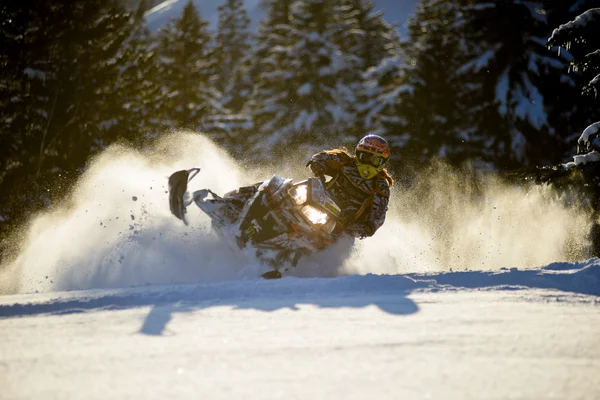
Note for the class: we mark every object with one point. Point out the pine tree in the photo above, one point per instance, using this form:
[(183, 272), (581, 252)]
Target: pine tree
[(59, 72), (568, 111), (302, 94), (582, 37), (379, 111), (478, 90), (376, 44), (67, 67), (509, 110), (430, 121), (372, 39), (188, 64), (232, 43), (84, 68), (264, 67), (576, 40), (137, 111), (12, 86), (366, 39), (17, 111)]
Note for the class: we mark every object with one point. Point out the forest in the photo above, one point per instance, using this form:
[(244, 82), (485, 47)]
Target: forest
[(482, 85)]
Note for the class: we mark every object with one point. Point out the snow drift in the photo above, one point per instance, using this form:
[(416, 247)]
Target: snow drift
[(115, 229)]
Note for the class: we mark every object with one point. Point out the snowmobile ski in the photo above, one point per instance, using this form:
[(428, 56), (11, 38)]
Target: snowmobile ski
[(177, 187)]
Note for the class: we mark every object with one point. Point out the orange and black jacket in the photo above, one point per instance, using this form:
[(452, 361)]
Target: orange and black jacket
[(364, 202)]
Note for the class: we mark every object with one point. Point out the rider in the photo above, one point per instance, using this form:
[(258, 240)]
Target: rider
[(359, 184)]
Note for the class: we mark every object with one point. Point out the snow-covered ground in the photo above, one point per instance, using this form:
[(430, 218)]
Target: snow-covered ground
[(353, 337), (456, 297)]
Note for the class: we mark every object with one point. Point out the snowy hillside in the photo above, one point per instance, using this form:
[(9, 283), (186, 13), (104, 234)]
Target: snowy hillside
[(161, 14), (395, 12)]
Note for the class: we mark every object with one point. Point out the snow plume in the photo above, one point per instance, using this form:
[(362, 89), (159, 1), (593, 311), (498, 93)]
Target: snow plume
[(449, 221), (116, 230)]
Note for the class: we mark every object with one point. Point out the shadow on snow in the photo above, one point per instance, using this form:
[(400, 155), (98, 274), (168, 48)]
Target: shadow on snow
[(387, 292)]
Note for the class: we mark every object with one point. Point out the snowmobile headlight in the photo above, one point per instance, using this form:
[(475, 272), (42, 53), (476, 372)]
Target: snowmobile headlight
[(315, 216), (300, 194)]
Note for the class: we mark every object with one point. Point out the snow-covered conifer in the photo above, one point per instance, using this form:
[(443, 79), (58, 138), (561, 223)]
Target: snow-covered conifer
[(60, 76), (232, 44), (138, 111), (378, 110), (361, 32), (302, 94), (480, 91), (368, 36), (581, 37), (187, 66), (431, 123)]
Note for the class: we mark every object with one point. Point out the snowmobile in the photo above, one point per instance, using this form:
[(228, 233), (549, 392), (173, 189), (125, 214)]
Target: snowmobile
[(279, 220)]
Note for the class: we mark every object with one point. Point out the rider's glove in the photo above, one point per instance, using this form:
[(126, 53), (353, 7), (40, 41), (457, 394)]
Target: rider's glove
[(317, 168)]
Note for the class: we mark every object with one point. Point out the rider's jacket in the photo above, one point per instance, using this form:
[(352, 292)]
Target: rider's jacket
[(364, 202)]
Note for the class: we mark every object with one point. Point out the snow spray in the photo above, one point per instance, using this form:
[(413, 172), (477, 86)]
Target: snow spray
[(449, 221), (115, 228)]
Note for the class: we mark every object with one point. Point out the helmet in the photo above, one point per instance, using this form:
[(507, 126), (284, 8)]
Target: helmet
[(372, 152)]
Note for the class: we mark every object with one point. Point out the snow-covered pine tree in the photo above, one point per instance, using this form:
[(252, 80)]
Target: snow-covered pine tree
[(581, 37), (479, 88), (568, 111), (91, 67), (371, 38), (271, 32), (267, 81), (68, 59), (303, 96), (13, 91), (361, 31), (187, 66), (503, 81), (429, 123), (21, 106), (137, 112), (62, 72), (378, 110), (232, 44)]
